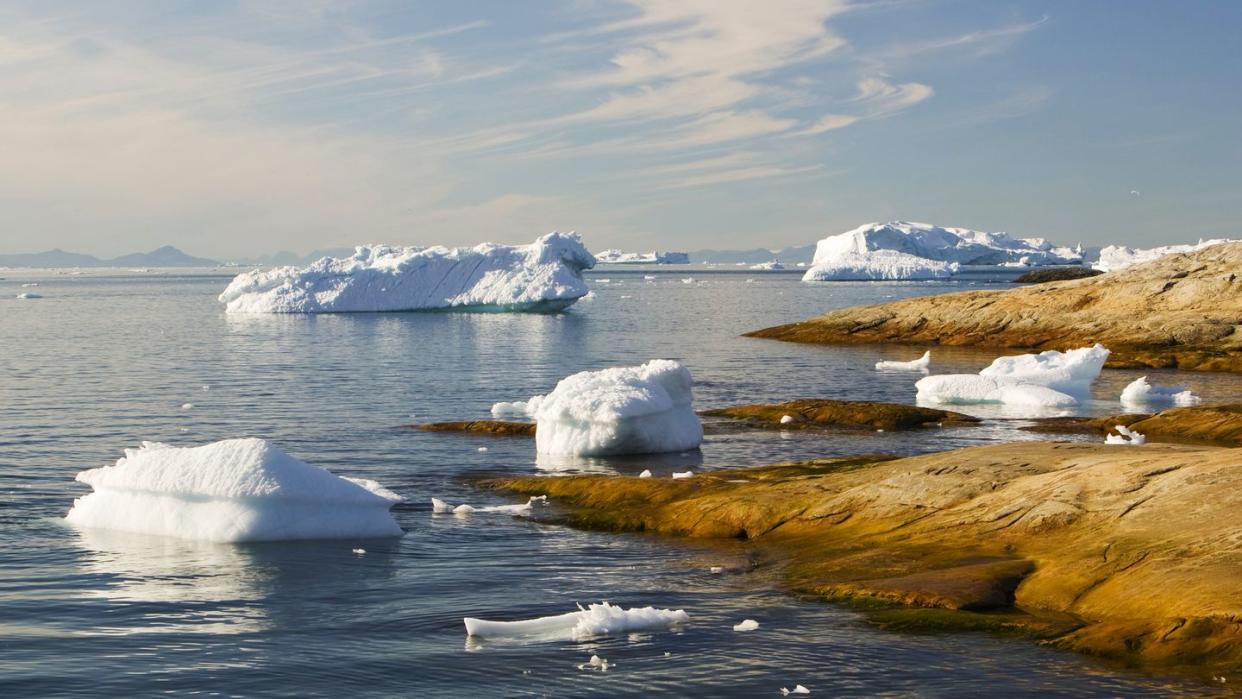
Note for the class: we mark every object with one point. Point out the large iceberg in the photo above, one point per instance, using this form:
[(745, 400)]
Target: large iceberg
[(229, 491), (1115, 257), (1046, 380), (905, 250), (543, 276), (625, 410)]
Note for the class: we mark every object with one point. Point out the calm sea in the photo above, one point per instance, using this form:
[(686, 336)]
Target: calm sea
[(105, 360)]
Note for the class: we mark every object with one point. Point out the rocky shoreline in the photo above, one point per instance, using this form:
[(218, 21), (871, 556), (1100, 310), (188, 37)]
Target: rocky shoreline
[(1121, 552), (1180, 311)]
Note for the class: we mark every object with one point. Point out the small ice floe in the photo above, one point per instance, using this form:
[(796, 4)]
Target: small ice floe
[(1140, 393), (919, 364), (187, 406), (746, 625), (29, 295), (1125, 435), (786, 419), (649, 277), (604, 280), (716, 570), (688, 280), (206, 387), (750, 281), (645, 474), (359, 552), (683, 474), (29, 285), (441, 507), (601, 619), (482, 450), (518, 408), (626, 296), (798, 689), (595, 663)]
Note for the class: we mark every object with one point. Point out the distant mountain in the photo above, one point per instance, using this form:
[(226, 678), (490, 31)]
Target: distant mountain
[(790, 255), (167, 256)]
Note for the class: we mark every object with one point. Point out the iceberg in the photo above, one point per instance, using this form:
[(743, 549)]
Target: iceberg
[(545, 276), (625, 410), (1046, 380), (601, 619), (1115, 257), (919, 364), (746, 625), (905, 250), (879, 265), (617, 257), (1139, 393), (771, 266), (230, 491)]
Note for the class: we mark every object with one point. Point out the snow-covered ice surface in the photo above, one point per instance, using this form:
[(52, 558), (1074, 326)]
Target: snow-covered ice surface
[(601, 619), (919, 364), (230, 491), (1140, 393), (1046, 380), (1115, 257), (1126, 436), (913, 251), (543, 276), (625, 410)]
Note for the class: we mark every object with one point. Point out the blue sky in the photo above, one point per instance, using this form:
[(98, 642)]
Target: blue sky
[(238, 128)]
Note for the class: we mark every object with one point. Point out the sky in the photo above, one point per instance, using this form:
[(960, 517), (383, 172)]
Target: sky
[(233, 129)]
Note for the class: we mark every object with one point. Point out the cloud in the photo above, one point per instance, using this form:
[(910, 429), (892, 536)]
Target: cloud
[(879, 96)]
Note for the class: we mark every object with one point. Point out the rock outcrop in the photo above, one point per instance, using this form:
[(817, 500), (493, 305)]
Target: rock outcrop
[(1056, 274), (1181, 311), (841, 414), (1127, 552), (1220, 425)]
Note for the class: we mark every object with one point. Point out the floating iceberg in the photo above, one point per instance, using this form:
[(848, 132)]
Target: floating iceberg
[(798, 689), (746, 625), (229, 491), (625, 410), (1140, 393), (879, 265), (919, 364), (771, 266), (544, 276), (904, 250), (601, 619), (617, 257), (1126, 436), (1115, 257), (1047, 380)]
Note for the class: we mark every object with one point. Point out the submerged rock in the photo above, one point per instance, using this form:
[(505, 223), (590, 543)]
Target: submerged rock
[(1126, 553), (1178, 311), (848, 414), (500, 428)]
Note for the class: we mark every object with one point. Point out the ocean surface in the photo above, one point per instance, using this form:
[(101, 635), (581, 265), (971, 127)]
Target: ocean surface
[(106, 360)]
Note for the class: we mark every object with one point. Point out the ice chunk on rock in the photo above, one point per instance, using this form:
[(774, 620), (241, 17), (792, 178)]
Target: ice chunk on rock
[(1139, 393), (601, 619), (683, 474), (229, 491), (1127, 436), (625, 410), (746, 625), (645, 474), (543, 276), (919, 364)]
